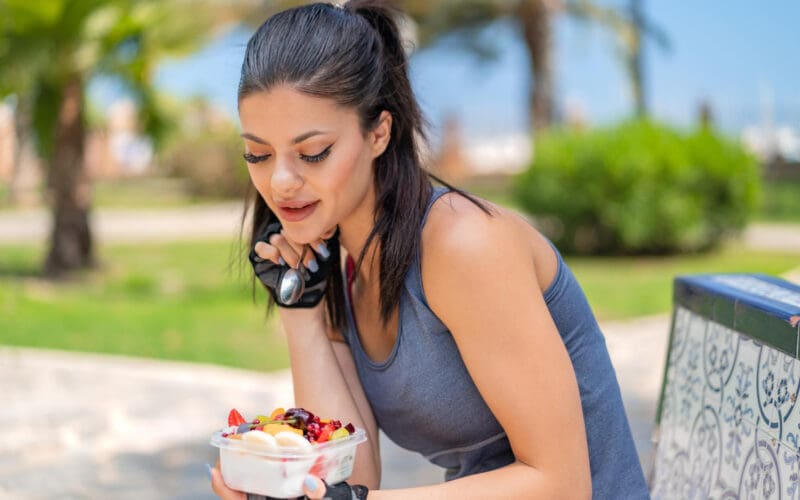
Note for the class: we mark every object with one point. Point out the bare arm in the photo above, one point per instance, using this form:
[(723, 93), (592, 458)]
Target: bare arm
[(323, 372), (326, 382)]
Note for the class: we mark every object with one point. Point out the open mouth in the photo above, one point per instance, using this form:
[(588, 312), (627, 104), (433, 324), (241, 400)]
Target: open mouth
[(296, 214)]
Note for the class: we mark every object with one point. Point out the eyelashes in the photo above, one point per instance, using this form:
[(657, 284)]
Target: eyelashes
[(251, 158), (317, 158)]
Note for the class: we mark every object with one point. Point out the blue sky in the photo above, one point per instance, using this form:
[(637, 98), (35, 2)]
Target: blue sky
[(733, 53)]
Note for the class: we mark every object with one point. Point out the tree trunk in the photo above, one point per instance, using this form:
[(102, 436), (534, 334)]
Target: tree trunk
[(23, 189), (71, 238), (636, 64), (536, 18)]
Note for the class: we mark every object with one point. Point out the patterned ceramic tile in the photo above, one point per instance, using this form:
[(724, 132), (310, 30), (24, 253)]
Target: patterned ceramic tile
[(777, 379), (728, 427), (788, 465), (791, 424), (730, 421)]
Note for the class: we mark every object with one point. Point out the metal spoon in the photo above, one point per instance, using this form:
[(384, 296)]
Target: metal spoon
[(292, 283)]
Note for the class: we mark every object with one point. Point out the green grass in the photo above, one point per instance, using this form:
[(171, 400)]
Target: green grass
[(143, 192), (625, 287), (176, 301), (780, 202), (180, 301), (134, 192)]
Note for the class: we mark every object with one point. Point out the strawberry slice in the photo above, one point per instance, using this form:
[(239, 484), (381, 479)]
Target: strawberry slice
[(235, 418), (317, 469)]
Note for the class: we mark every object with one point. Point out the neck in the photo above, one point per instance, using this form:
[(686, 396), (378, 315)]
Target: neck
[(353, 233)]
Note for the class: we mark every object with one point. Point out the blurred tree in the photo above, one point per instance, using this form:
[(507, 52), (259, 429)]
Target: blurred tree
[(535, 18), (466, 17), (49, 51), (630, 27)]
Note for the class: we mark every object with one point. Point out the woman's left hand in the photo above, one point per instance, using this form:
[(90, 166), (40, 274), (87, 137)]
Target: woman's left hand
[(314, 488), (221, 489)]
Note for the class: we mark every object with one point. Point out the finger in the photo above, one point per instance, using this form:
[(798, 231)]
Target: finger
[(322, 250), (221, 489), (287, 251), (268, 252), (310, 259), (313, 487)]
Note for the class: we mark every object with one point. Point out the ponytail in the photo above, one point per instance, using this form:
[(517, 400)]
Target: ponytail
[(401, 184)]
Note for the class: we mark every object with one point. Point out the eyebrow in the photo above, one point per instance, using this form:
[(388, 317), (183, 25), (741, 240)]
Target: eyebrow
[(297, 140)]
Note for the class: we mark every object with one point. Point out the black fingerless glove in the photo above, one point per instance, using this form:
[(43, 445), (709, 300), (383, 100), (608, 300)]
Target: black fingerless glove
[(343, 491), (339, 491), (271, 274)]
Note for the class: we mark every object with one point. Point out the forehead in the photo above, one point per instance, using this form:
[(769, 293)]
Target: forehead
[(283, 113)]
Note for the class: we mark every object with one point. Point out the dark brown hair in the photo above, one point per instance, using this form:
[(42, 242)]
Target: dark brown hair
[(353, 55)]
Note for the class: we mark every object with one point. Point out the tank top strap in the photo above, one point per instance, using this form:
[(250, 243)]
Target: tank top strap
[(437, 193)]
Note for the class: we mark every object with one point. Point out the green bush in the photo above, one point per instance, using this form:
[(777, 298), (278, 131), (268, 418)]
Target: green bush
[(205, 150), (209, 159), (638, 187)]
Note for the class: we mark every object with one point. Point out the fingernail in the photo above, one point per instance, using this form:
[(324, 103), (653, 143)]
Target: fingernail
[(208, 471), (311, 483), (322, 250), (281, 261), (312, 265)]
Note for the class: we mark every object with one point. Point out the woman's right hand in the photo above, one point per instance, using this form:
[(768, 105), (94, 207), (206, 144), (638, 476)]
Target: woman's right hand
[(274, 254)]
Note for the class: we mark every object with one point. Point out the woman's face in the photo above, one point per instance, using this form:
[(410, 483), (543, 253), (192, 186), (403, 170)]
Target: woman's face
[(308, 158)]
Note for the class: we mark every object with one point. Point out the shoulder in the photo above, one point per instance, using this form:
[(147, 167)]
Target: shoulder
[(464, 250), (459, 231)]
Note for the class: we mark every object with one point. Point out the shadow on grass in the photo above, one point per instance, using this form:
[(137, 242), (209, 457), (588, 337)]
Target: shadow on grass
[(16, 270)]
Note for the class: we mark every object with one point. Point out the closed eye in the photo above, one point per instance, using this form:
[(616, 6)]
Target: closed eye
[(251, 158), (317, 158)]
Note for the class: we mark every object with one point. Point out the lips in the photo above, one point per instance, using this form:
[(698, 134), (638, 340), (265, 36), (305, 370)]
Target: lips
[(295, 211)]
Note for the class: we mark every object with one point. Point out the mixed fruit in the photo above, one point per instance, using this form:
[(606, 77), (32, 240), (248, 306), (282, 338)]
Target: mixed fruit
[(295, 428)]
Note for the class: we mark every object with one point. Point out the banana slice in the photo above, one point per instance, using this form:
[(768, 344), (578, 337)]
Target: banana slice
[(260, 438), (291, 440)]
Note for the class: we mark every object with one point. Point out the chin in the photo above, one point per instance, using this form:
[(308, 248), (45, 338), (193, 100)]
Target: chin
[(302, 232)]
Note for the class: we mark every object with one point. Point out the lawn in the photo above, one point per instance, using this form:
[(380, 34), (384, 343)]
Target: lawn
[(184, 301), (780, 202), (177, 301), (625, 287)]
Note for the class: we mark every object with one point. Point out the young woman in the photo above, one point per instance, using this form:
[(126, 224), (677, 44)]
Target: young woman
[(454, 326)]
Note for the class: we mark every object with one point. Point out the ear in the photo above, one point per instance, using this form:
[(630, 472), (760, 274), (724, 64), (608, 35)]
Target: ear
[(381, 134)]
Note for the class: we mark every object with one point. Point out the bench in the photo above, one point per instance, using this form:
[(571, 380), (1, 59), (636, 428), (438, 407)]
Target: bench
[(728, 419)]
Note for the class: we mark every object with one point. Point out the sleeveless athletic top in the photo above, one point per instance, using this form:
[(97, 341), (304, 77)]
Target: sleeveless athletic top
[(424, 399)]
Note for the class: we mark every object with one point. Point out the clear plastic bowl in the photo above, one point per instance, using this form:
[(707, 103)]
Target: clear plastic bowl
[(279, 473)]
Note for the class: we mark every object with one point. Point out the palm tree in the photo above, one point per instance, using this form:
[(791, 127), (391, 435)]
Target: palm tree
[(535, 18), (49, 51), (630, 27)]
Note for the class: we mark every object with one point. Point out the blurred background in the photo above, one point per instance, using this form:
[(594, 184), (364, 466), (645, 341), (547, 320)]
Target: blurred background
[(646, 139)]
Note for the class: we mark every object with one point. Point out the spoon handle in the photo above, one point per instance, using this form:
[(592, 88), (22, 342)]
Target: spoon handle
[(300, 266)]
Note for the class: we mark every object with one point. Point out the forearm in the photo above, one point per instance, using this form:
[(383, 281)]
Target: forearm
[(320, 386), (516, 480)]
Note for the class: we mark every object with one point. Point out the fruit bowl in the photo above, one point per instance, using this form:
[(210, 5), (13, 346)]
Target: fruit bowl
[(254, 461), (279, 472)]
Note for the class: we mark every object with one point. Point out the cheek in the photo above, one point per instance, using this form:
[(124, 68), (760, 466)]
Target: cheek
[(259, 176), (351, 177)]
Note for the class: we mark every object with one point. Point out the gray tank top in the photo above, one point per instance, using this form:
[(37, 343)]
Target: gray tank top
[(424, 399)]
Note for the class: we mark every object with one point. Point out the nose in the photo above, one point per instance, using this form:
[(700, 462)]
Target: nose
[(285, 178)]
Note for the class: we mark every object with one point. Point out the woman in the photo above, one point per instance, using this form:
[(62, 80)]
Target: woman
[(459, 331)]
